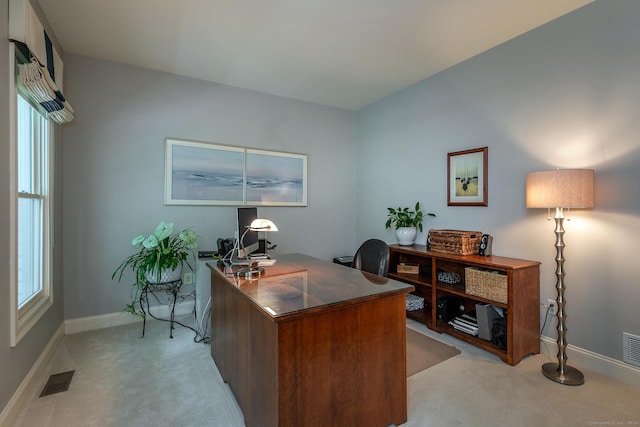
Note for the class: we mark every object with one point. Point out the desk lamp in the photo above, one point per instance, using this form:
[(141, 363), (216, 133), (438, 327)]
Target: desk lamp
[(259, 224), (559, 189), (265, 225)]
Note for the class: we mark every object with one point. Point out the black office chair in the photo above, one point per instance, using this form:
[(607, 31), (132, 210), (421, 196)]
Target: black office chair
[(373, 257)]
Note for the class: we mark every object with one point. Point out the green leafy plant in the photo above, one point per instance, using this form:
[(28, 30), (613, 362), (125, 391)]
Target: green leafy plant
[(404, 217), (155, 253)]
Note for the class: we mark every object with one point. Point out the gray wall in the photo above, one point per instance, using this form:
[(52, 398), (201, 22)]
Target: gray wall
[(114, 169), (564, 95), (15, 362)]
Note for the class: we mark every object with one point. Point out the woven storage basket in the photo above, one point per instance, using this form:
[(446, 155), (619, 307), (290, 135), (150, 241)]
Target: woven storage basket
[(486, 284), (455, 242)]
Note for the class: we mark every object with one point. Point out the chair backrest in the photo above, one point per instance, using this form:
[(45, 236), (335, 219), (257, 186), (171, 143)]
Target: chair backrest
[(372, 256)]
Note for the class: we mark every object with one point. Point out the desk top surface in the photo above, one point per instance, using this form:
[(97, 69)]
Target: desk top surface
[(299, 284)]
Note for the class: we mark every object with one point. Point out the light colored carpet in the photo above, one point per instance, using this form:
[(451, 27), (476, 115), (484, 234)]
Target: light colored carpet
[(122, 380), (424, 352)]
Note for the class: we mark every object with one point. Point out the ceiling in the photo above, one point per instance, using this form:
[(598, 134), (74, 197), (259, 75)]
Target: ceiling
[(341, 53)]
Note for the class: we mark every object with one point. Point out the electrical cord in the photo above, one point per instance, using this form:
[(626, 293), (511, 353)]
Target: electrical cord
[(201, 328), (196, 338), (546, 316)]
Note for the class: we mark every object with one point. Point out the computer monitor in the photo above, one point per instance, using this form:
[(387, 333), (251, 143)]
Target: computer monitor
[(249, 243)]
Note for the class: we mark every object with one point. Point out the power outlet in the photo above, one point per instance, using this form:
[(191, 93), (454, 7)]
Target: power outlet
[(552, 305), (187, 278)]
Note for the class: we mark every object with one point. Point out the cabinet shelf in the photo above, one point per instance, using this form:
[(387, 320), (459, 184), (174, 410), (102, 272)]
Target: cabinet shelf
[(422, 316), (459, 291), (478, 342), (521, 308), (414, 279)]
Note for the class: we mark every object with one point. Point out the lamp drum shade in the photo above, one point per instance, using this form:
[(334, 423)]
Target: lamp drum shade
[(561, 188)]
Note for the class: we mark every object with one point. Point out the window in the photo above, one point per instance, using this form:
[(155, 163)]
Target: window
[(31, 219)]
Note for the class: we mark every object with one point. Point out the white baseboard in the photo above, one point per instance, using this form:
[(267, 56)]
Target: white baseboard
[(33, 379), (581, 358), (91, 323)]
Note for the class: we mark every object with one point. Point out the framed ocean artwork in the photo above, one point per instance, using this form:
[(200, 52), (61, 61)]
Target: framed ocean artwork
[(201, 173)]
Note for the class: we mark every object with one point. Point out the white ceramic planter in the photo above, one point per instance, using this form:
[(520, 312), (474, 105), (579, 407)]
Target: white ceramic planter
[(166, 275), (406, 235)]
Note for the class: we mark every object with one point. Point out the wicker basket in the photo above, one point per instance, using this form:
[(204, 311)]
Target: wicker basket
[(491, 285), (455, 242)]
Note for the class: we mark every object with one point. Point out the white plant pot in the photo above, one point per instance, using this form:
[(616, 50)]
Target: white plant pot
[(406, 235), (166, 276)]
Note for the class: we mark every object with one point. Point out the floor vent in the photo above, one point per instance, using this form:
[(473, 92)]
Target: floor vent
[(631, 349), (57, 383)]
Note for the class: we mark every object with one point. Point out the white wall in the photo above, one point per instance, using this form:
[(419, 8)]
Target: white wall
[(564, 95), (114, 169)]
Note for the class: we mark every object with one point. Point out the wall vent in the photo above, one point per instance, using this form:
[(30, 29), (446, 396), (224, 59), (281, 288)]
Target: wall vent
[(631, 349)]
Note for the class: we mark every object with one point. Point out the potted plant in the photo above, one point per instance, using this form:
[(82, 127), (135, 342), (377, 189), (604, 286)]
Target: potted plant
[(407, 222), (160, 258)]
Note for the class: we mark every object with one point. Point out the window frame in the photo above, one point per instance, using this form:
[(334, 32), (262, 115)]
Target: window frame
[(25, 317)]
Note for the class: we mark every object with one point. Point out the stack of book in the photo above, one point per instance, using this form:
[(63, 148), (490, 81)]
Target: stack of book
[(466, 323)]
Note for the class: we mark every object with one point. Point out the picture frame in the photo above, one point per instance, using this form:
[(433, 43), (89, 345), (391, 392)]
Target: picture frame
[(201, 173), (467, 177), (275, 178)]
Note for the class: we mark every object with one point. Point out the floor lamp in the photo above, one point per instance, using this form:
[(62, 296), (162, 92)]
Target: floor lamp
[(559, 189)]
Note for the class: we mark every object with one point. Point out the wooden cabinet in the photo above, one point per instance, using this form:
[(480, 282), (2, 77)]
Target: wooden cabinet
[(522, 306)]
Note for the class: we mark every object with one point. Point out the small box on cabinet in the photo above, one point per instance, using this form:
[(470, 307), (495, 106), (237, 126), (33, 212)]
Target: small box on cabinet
[(406, 268)]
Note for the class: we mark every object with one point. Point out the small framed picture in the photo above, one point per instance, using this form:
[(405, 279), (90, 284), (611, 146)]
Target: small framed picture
[(467, 183)]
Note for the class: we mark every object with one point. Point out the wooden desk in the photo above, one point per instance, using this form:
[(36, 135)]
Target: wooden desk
[(312, 343)]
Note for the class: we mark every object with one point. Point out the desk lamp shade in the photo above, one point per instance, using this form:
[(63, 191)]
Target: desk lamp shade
[(561, 188), (262, 224)]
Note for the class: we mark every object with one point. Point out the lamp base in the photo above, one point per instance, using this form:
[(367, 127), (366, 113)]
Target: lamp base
[(250, 272), (571, 376)]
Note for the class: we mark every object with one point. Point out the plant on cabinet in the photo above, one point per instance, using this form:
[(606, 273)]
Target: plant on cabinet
[(406, 222)]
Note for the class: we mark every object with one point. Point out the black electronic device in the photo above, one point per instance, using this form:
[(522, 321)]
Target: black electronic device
[(344, 260), (486, 241), (208, 254), (248, 240), (225, 246), (448, 307)]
